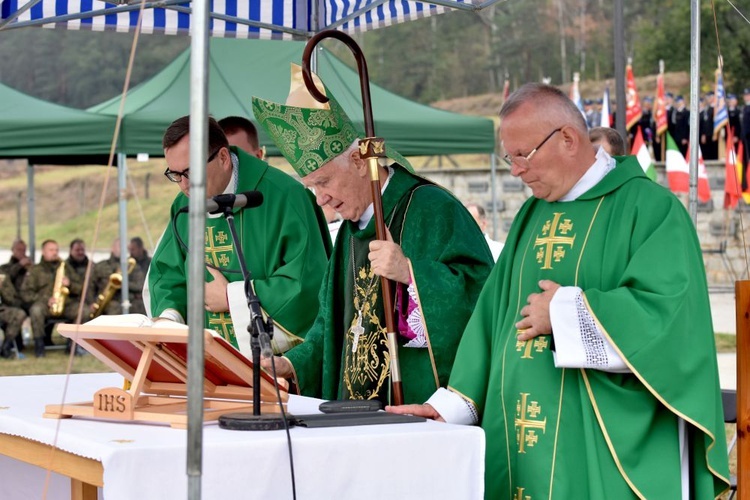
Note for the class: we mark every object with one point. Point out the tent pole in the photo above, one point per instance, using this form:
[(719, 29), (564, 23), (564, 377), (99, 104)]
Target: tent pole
[(197, 224), (30, 199), (695, 63), (493, 181), (122, 175), (620, 69)]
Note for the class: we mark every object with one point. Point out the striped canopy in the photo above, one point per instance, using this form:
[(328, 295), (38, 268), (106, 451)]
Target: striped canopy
[(275, 19)]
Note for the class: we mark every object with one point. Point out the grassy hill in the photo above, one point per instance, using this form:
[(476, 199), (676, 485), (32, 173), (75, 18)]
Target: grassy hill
[(67, 203)]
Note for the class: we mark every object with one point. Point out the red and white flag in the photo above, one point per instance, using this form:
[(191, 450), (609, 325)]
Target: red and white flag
[(678, 172), (633, 110)]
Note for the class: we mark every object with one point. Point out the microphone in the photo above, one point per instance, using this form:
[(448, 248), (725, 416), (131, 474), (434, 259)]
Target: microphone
[(219, 203)]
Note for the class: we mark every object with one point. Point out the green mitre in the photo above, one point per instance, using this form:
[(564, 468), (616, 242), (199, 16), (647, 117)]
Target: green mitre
[(308, 133)]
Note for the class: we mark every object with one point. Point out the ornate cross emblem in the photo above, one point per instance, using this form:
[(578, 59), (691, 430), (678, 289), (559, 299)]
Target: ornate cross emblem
[(526, 424), (552, 244), (538, 344), (519, 494), (222, 323), (214, 252)]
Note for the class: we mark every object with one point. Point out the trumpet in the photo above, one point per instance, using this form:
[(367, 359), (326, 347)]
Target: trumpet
[(114, 284), (59, 291)]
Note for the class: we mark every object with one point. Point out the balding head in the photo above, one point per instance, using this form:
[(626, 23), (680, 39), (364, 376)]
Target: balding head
[(546, 140)]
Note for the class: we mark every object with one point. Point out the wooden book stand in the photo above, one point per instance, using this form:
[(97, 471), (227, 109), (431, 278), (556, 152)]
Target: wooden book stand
[(155, 361)]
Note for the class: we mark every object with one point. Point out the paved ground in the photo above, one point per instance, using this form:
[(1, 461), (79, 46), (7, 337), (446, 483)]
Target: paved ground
[(724, 318)]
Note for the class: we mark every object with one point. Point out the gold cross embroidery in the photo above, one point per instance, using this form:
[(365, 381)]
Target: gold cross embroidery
[(519, 494), (222, 323), (525, 425), (552, 244), (538, 344), (221, 237), (213, 250)]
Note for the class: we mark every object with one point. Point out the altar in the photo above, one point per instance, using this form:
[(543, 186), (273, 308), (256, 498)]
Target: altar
[(125, 461)]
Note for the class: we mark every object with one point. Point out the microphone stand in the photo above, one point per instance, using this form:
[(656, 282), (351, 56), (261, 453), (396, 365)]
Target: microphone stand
[(260, 338)]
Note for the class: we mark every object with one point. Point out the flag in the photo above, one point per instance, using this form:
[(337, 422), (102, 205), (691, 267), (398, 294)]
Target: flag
[(605, 118), (575, 94), (721, 115), (640, 150), (633, 110), (678, 172), (660, 110), (742, 174), (732, 174), (704, 189)]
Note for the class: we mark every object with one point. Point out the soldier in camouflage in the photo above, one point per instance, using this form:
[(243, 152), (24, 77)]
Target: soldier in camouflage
[(37, 290), (11, 315), (100, 278)]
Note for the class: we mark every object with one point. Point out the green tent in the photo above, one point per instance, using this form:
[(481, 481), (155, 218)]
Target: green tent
[(240, 69), (45, 132)]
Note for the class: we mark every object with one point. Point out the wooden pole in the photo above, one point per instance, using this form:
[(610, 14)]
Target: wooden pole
[(742, 307), (370, 148)]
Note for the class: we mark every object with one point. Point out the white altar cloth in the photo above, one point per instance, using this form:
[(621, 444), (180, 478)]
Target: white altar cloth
[(148, 461)]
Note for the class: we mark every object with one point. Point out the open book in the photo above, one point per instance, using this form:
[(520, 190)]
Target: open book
[(136, 320), (120, 341)]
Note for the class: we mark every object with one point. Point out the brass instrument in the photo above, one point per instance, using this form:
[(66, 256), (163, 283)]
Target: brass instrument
[(59, 291), (114, 284)]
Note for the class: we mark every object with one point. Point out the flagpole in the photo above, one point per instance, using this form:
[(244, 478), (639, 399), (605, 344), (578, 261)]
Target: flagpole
[(695, 59)]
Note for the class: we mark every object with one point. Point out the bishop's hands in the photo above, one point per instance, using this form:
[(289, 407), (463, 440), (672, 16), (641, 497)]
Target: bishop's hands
[(388, 260), (283, 366), (216, 292), (536, 319), (425, 410)]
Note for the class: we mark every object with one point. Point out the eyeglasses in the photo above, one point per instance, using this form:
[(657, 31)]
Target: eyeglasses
[(176, 176), (523, 160)]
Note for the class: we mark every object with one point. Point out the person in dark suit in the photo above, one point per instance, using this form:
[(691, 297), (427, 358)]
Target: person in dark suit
[(709, 146), (681, 124), (735, 120), (745, 126)]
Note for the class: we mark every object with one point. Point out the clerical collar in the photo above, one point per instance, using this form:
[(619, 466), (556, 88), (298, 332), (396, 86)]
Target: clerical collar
[(603, 164), (232, 185), (370, 211)]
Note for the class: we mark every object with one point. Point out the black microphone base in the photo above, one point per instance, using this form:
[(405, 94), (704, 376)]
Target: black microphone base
[(249, 422)]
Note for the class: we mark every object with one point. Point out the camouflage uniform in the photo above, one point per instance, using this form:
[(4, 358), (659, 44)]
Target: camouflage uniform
[(37, 290), (100, 278), (79, 266), (136, 299), (16, 273), (11, 315)]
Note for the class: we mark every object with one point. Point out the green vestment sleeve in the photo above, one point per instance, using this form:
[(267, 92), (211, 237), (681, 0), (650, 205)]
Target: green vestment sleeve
[(282, 243)]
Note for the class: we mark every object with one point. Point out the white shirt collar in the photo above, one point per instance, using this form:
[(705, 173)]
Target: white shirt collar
[(603, 164), (232, 184), (364, 219)]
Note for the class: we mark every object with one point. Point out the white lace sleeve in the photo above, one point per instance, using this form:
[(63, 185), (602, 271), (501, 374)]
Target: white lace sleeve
[(453, 408), (578, 341)]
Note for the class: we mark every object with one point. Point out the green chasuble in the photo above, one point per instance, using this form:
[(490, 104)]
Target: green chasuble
[(449, 263), (588, 434), (283, 246)]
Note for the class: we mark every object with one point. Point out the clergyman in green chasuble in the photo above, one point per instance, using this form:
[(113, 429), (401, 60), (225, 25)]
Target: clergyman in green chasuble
[(622, 399), (283, 247), (345, 354)]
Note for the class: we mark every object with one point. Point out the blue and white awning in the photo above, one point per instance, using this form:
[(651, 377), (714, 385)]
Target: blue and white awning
[(229, 18)]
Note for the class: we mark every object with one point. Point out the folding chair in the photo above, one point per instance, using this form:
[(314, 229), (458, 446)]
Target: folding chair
[(729, 401)]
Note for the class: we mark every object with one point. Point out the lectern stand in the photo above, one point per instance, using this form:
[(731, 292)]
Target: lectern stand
[(154, 359)]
